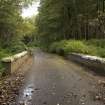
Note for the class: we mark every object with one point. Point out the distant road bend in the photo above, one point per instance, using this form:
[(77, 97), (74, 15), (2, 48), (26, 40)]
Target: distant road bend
[(53, 80)]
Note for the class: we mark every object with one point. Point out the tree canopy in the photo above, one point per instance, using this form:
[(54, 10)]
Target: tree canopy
[(11, 22), (66, 19)]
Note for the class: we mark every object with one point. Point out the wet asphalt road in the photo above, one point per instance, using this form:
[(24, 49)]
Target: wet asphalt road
[(53, 80)]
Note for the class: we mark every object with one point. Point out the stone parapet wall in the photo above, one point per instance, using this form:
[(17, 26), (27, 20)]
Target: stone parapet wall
[(14, 63), (94, 62)]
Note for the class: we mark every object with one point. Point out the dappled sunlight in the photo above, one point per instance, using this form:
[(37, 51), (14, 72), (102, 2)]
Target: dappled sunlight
[(30, 11)]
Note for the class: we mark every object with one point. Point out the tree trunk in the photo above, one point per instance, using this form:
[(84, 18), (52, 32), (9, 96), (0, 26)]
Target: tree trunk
[(103, 5)]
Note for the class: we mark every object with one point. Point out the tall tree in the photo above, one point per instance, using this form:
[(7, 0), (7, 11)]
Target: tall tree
[(10, 19), (67, 19)]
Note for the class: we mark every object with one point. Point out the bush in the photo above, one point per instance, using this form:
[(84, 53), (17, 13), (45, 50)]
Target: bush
[(13, 48), (17, 46), (100, 52), (71, 46), (57, 46), (77, 47), (4, 53), (92, 47), (99, 45), (96, 43)]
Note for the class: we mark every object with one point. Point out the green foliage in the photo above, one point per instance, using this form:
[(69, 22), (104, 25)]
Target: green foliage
[(58, 46), (32, 44), (13, 48), (75, 46), (100, 52), (17, 47), (13, 28), (4, 53), (67, 19), (96, 42), (11, 22), (99, 44), (78, 47), (12, 25), (71, 46)]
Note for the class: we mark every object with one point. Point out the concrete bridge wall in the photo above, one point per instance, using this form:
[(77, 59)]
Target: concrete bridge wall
[(14, 63), (96, 64)]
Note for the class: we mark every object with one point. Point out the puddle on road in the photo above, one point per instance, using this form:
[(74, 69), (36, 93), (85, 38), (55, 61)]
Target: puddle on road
[(26, 96)]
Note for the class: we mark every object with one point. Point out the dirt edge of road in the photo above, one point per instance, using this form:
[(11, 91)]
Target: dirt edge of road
[(11, 84)]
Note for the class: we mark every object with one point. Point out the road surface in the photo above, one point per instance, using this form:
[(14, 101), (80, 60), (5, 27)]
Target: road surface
[(53, 80)]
